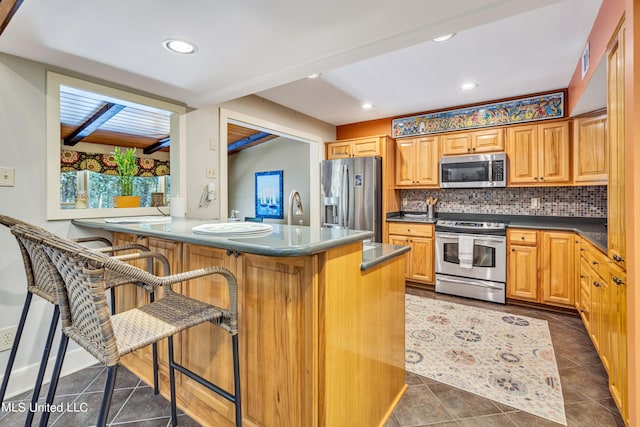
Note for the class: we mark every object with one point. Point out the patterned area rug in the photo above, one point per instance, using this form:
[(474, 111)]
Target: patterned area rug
[(499, 356)]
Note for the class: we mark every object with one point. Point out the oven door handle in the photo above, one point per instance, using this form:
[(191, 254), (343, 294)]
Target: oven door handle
[(473, 283)]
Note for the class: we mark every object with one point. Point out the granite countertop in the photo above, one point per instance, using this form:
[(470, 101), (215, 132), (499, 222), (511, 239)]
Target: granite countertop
[(377, 253), (283, 241), (593, 229)]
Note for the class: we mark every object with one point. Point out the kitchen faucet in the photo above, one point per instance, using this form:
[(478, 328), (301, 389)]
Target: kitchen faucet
[(295, 195)]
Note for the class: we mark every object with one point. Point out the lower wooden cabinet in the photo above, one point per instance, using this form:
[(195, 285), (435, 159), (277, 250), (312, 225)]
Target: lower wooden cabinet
[(618, 382), (420, 262), (557, 262), (541, 267), (522, 272)]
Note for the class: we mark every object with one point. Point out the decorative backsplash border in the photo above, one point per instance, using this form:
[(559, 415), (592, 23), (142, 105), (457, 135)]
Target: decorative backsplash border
[(586, 201)]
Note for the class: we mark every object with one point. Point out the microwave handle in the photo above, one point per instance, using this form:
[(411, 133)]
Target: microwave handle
[(490, 170)]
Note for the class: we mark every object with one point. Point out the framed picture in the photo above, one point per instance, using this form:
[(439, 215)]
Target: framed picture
[(269, 194)]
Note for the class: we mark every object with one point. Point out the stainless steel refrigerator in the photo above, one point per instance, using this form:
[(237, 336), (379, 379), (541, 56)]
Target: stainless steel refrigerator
[(352, 194)]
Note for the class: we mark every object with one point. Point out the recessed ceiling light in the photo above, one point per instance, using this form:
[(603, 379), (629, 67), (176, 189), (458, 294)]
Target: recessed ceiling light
[(179, 46), (313, 76), (444, 37), (468, 86), (367, 106)]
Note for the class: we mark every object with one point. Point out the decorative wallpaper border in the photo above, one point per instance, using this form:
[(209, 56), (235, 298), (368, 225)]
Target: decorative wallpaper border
[(533, 108)]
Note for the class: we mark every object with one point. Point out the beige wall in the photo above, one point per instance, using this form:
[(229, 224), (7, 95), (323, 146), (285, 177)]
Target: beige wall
[(292, 157)]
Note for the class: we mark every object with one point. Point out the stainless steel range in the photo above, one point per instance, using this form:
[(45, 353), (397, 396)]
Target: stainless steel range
[(471, 259)]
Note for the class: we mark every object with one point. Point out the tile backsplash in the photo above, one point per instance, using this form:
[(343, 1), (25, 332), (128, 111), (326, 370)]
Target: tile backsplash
[(587, 201)]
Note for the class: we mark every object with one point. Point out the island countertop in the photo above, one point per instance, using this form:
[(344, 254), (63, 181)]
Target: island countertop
[(297, 289), (283, 241)]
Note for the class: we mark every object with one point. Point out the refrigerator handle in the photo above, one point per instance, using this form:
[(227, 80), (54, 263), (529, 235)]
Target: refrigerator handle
[(345, 196)]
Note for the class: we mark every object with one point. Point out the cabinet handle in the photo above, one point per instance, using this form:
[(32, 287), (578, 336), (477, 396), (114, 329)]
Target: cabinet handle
[(583, 277), (582, 249), (541, 178), (535, 177), (513, 250), (521, 237), (617, 258), (474, 148), (595, 263), (596, 284), (618, 281)]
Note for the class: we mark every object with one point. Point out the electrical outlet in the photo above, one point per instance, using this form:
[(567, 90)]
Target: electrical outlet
[(7, 177), (211, 172), (6, 337), (535, 203)]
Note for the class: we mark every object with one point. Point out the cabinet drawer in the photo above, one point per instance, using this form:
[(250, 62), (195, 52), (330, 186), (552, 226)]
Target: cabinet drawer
[(523, 237), (411, 229), (596, 260)]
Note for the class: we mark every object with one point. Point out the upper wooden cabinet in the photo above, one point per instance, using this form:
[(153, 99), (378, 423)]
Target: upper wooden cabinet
[(539, 153), (357, 147), (616, 134), (590, 150), (417, 162), (479, 141)]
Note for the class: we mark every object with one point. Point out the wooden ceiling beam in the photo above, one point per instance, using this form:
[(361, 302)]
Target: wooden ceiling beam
[(94, 122), (162, 143), (8, 8), (255, 139)]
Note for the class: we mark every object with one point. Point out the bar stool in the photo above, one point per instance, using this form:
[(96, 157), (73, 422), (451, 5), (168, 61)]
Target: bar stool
[(41, 279), (85, 318)]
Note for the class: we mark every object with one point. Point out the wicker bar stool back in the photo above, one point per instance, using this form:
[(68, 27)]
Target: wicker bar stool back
[(86, 320), (42, 277)]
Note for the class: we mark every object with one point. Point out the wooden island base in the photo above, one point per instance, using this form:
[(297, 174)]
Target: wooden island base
[(321, 342)]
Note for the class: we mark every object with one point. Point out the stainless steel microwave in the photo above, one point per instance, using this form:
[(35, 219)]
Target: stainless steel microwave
[(475, 171)]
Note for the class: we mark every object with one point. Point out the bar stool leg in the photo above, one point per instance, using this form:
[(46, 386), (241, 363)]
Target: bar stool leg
[(236, 379), (14, 347), (108, 394), (43, 363), (172, 383), (154, 348), (62, 350)]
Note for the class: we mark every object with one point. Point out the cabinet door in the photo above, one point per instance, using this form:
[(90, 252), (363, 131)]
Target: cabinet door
[(557, 263), (553, 152), (585, 294), (618, 337), (427, 160), (616, 133), (421, 259), (522, 149), (338, 150), (405, 162), (488, 140), (597, 312), (456, 143), (522, 280), (366, 147), (590, 150), (404, 241)]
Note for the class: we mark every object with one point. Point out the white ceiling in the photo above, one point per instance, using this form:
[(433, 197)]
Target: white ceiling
[(380, 54)]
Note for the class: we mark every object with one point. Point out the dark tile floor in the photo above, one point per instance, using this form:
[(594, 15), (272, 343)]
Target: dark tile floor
[(426, 403)]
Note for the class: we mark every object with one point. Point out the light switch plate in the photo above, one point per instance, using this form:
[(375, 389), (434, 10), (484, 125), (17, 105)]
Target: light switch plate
[(7, 177)]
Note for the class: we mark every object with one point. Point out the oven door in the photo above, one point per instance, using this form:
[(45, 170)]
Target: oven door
[(489, 257)]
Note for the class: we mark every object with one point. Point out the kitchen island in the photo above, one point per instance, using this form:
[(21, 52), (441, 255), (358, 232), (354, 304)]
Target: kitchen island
[(321, 323)]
